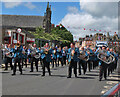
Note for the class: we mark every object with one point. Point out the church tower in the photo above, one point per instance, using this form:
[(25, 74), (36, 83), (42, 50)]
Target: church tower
[(47, 19), (108, 36)]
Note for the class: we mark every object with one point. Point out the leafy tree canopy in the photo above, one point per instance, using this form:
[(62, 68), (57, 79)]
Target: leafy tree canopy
[(57, 33)]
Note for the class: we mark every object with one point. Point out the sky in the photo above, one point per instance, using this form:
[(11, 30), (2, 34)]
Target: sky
[(75, 16)]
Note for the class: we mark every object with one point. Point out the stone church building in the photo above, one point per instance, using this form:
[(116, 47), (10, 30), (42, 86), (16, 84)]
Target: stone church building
[(15, 28)]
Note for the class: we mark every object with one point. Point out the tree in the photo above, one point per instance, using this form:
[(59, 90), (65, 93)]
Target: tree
[(57, 33)]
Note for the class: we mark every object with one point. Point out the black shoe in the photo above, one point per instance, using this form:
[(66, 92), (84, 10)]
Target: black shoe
[(31, 71), (5, 69), (69, 77), (105, 78), (75, 76), (13, 74), (43, 75), (99, 79), (21, 73), (79, 73)]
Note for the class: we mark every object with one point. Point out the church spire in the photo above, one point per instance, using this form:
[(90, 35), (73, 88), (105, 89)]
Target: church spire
[(47, 19), (50, 7), (47, 5)]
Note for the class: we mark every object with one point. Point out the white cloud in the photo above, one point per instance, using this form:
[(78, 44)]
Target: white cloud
[(73, 9), (15, 3), (100, 9), (11, 4), (30, 5), (95, 17)]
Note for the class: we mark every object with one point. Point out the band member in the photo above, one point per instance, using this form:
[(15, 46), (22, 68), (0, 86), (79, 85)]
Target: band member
[(94, 58), (24, 57), (33, 59), (116, 59), (64, 53), (73, 59), (112, 65), (83, 62), (54, 57), (17, 57), (46, 57), (8, 59), (59, 56), (29, 54), (90, 58), (103, 65), (66, 49), (41, 62)]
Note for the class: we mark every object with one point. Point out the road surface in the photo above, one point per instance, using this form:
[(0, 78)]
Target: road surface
[(31, 83)]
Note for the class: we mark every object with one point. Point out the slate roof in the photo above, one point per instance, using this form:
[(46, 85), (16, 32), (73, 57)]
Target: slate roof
[(21, 21)]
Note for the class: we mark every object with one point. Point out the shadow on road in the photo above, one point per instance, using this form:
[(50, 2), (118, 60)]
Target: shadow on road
[(4, 72), (59, 75), (32, 74), (113, 80), (86, 77), (92, 74)]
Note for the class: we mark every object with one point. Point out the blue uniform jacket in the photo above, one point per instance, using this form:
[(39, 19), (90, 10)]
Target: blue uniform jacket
[(48, 56), (18, 52), (75, 57)]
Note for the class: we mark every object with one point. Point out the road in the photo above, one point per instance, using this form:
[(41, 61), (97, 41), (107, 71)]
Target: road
[(57, 84)]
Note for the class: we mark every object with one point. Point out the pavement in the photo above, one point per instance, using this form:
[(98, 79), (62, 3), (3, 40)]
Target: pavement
[(31, 83)]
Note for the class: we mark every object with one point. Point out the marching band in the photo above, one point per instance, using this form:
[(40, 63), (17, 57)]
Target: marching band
[(85, 58)]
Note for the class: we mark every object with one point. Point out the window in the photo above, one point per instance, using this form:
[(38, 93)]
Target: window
[(14, 36)]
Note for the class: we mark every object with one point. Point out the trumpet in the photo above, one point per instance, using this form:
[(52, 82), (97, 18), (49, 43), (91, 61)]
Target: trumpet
[(46, 51), (54, 51), (72, 53)]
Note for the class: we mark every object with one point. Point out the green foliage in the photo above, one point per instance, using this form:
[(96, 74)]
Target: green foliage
[(57, 33)]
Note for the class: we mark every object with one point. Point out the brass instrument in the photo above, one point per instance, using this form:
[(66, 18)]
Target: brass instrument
[(54, 51), (83, 56), (104, 58), (34, 52), (89, 53), (18, 45), (37, 55), (8, 53), (72, 53), (46, 51), (23, 52)]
